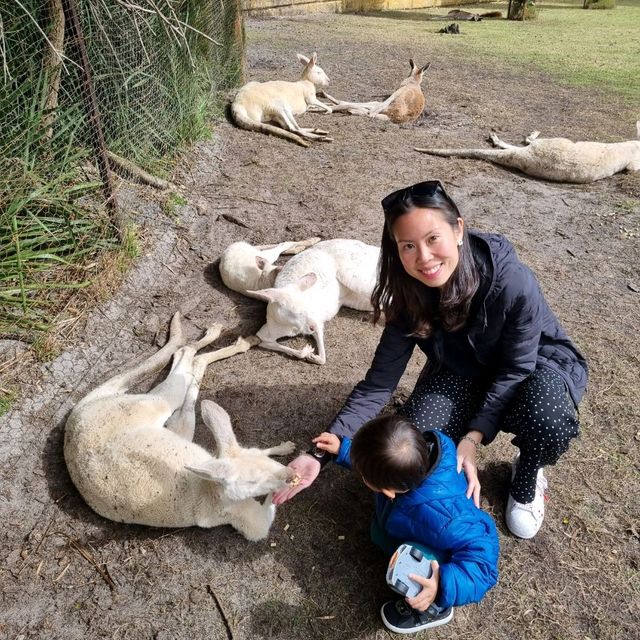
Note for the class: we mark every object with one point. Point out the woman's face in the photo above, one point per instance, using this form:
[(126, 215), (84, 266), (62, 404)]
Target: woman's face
[(428, 245)]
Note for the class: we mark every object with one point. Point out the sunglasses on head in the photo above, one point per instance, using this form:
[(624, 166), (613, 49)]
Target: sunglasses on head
[(427, 189)]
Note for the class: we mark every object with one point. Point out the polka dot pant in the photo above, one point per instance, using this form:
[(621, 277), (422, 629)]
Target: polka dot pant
[(541, 416)]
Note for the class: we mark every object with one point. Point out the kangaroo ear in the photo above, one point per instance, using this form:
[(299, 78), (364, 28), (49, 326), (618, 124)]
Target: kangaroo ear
[(426, 66), (261, 263), (302, 59), (314, 57), (214, 470), (268, 295), (411, 63), (306, 281), (219, 423)]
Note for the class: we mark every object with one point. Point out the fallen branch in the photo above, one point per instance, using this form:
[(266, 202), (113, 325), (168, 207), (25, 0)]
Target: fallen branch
[(133, 171), (212, 593), (101, 569)]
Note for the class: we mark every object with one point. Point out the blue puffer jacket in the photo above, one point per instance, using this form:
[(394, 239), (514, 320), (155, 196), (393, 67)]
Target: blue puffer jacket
[(511, 330), (439, 515)]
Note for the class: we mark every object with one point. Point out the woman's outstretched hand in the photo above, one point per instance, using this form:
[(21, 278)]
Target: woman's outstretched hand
[(467, 463), (307, 469)]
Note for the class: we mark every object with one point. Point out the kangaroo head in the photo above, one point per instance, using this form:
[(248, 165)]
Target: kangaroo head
[(266, 267), (289, 310), (416, 75), (249, 473), (243, 473), (313, 72)]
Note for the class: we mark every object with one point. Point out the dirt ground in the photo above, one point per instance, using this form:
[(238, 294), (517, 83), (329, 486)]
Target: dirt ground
[(68, 573)]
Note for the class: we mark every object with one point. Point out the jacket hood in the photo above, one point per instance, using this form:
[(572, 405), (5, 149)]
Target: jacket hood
[(493, 254), (443, 480)]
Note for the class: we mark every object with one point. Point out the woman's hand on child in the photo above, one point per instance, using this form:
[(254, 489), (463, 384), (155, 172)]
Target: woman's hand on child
[(429, 591), (307, 469), (467, 463), (327, 442)]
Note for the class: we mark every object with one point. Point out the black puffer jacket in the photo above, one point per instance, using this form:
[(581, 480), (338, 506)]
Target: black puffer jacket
[(511, 330)]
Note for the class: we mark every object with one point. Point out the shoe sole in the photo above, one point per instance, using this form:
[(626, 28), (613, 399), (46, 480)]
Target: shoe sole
[(428, 625)]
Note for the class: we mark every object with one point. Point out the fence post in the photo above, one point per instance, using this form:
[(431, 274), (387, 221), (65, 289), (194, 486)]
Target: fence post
[(93, 115)]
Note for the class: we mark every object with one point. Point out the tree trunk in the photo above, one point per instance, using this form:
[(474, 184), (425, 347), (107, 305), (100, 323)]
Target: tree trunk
[(51, 63), (521, 10)]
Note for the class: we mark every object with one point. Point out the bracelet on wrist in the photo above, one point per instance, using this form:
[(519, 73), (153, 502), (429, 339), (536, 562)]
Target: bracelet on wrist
[(470, 439)]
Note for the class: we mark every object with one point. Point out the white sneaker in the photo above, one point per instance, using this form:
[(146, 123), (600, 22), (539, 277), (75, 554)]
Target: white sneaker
[(525, 520)]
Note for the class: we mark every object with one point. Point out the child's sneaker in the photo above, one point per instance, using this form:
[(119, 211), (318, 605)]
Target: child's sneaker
[(398, 616), (525, 520)]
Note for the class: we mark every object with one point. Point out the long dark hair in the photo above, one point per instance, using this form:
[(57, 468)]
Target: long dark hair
[(390, 453), (396, 293)]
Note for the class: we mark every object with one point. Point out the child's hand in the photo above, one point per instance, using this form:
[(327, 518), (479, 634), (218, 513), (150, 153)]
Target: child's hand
[(429, 591), (327, 442)]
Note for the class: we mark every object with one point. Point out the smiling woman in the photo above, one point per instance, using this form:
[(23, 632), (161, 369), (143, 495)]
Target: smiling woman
[(428, 245), (497, 358)]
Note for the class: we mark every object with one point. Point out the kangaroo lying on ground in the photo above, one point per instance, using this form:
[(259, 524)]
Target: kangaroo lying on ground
[(557, 159), (244, 267), (129, 467), (403, 105), (311, 288), (461, 14), (279, 101)]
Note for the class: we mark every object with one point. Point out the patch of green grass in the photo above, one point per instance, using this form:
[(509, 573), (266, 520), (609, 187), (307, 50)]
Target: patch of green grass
[(582, 48), (627, 205), (128, 250), (171, 204), (7, 399), (45, 347)]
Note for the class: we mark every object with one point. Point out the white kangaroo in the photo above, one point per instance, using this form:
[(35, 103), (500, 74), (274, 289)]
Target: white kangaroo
[(311, 288), (258, 103), (557, 159), (405, 104), (244, 267), (129, 467)]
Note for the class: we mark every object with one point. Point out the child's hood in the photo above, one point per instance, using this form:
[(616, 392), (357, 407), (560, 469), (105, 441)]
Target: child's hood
[(443, 480)]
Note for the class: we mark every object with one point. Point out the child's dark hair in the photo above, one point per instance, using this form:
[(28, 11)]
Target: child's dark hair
[(390, 453)]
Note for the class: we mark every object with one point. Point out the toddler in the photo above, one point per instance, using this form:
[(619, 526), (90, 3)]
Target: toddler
[(421, 500)]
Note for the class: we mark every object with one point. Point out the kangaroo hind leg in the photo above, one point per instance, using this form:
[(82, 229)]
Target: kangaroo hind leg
[(121, 383), (183, 421), (182, 386), (499, 143)]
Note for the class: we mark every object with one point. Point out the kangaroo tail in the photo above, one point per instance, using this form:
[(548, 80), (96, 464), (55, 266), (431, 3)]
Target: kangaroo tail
[(477, 154), (491, 14), (241, 119)]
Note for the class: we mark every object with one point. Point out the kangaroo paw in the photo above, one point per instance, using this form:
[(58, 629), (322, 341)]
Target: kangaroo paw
[(495, 141), (531, 137)]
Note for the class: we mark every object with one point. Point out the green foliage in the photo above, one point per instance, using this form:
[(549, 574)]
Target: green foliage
[(44, 230), (157, 78)]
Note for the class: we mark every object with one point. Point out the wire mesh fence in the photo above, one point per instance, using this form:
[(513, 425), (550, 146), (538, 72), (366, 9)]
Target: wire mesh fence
[(88, 86)]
